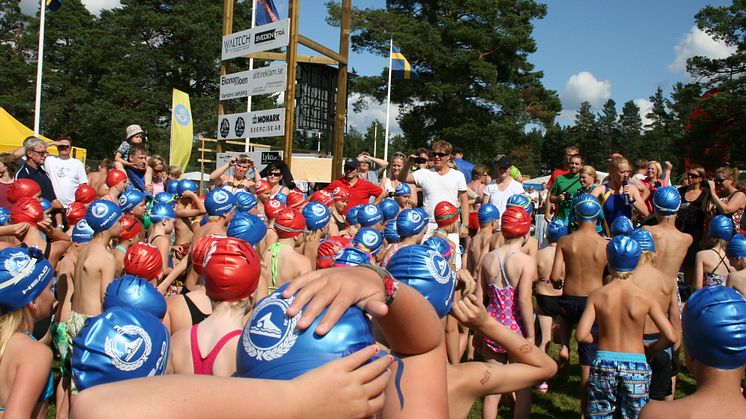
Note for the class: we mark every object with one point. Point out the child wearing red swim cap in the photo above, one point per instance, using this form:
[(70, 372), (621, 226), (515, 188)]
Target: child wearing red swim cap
[(282, 261)]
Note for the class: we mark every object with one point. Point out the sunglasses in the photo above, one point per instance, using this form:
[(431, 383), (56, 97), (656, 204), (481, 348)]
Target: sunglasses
[(439, 154), (693, 175), (41, 153), (718, 180), (63, 147), (275, 174)]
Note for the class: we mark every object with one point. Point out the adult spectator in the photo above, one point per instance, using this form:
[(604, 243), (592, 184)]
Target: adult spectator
[(389, 183), (618, 195), (692, 215), (463, 166), (727, 193), (440, 183), (97, 178), (361, 191), (565, 187), (503, 187), (239, 180), (8, 167), (66, 173), (370, 167), (138, 161), (33, 168), (569, 152)]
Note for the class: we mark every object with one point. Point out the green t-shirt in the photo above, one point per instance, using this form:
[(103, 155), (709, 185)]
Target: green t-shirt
[(565, 183)]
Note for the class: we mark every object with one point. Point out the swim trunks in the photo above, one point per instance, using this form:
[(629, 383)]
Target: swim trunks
[(618, 385)]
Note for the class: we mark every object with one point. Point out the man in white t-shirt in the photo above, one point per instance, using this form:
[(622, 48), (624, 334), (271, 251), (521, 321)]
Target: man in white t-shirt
[(503, 187), (66, 173)]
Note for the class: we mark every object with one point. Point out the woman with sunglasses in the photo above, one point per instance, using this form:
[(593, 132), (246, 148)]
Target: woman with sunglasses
[(275, 173), (695, 204), (727, 194)]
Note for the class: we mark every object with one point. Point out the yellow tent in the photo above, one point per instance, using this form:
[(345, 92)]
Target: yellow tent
[(12, 134)]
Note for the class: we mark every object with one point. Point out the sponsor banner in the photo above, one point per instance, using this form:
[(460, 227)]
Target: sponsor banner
[(259, 81), (267, 123), (261, 160), (261, 38)]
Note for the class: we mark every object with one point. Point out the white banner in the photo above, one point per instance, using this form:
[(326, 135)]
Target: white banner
[(260, 81), (261, 159), (268, 123), (261, 38)]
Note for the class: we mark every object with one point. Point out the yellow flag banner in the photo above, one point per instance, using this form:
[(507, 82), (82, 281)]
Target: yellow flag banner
[(182, 132)]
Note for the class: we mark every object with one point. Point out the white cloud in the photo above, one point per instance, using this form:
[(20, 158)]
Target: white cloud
[(31, 7), (584, 87), (697, 43), (645, 107), (375, 111)]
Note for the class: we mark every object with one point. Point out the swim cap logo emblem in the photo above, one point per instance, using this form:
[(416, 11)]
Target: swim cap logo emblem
[(370, 210), (318, 210), (209, 253), (438, 266), (122, 200), (19, 265), (220, 197), (271, 334), (128, 354), (369, 239), (416, 218), (99, 210)]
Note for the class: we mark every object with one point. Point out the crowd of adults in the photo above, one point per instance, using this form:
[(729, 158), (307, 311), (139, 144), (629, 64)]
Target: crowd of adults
[(405, 288)]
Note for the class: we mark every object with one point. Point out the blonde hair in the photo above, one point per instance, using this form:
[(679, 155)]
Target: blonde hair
[(620, 275), (174, 172), (657, 165), (154, 160), (9, 324), (244, 304), (590, 171), (615, 162), (732, 173), (646, 257)]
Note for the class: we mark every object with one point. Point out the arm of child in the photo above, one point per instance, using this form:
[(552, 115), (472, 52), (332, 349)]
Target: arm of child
[(163, 245), (668, 334), (119, 158), (108, 273), (699, 270), (528, 365), (525, 304), (177, 271), (31, 376), (558, 268), (585, 324)]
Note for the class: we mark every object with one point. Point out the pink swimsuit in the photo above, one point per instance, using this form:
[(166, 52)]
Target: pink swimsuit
[(203, 365), (503, 307)]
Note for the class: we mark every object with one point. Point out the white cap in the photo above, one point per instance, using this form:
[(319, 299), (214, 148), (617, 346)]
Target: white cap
[(133, 130)]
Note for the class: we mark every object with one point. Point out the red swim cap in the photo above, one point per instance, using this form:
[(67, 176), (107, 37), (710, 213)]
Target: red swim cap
[(85, 194), (515, 222), (327, 252), (323, 197), (261, 186), (115, 177), (289, 223), (74, 213), (130, 227), (27, 210), (341, 193), (200, 249), (445, 214), (344, 241), (272, 207), (294, 199), (143, 260), (22, 188), (231, 270)]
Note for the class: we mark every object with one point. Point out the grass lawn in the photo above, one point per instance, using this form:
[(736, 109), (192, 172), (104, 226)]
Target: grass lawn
[(562, 400)]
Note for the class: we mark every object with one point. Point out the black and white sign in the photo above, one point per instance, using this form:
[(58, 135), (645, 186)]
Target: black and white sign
[(258, 124), (261, 38), (261, 159), (260, 81)]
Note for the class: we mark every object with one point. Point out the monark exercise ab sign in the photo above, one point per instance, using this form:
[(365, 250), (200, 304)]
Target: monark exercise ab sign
[(257, 124)]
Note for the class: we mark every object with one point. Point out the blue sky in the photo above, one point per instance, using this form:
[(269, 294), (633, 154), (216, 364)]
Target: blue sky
[(588, 49)]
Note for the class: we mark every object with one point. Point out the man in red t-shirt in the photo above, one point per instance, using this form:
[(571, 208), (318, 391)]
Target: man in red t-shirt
[(360, 189)]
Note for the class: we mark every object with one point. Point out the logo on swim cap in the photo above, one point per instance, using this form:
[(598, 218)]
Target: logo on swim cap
[(318, 210), (19, 265), (415, 217), (129, 348), (98, 210), (371, 209), (220, 197), (274, 203), (209, 253), (438, 266), (369, 239), (271, 333), (122, 200)]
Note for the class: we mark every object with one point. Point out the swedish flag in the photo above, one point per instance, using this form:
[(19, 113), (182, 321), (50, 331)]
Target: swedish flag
[(400, 67), (53, 5)]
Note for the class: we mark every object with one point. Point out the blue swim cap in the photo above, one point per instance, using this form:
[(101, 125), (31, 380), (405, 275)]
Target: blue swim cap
[(102, 215), (644, 239), (351, 256), (621, 226), (165, 198), (587, 208), (317, 215), (488, 213), (24, 274), (556, 230), (121, 344), (520, 200), (714, 323), (369, 215), (390, 209), (410, 222), (425, 270), (4, 216), (129, 199), (351, 216), (402, 189), (282, 198), (623, 254), (133, 291), (171, 186), (721, 227), (390, 233), (161, 212), (666, 201), (736, 246), (369, 240), (219, 202), (247, 227), (186, 185), (440, 245), (245, 201), (271, 346), (82, 232), (45, 204)]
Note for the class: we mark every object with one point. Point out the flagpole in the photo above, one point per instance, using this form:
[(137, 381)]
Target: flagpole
[(39, 67), (251, 67), (388, 106)]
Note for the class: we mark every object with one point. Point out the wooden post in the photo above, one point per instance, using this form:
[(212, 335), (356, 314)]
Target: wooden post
[(227, 30), (341, 109), (292, 66)]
